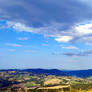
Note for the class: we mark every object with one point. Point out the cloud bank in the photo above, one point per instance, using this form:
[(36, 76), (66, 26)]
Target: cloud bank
[(68, 21), (84, 53)]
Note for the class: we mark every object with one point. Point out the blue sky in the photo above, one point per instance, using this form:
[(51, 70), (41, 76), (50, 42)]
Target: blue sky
[(46, 34)]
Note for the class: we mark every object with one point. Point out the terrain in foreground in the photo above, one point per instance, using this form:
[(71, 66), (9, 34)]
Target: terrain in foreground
[(42, 80)]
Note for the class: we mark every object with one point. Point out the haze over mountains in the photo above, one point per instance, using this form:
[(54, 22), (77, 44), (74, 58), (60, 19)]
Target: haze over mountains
[(76, 73)]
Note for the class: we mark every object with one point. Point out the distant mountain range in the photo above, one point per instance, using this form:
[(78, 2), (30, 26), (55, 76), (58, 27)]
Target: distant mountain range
[(77, 73)]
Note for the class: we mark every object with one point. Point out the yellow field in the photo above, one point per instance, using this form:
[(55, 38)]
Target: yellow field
[(55, 87)]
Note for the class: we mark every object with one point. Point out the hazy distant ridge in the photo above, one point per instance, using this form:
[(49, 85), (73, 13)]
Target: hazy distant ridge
[(77, 73)]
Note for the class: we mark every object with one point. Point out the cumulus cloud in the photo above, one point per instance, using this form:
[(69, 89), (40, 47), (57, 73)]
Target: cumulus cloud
[(13, 45), (77, 33), (20, 27), (84, 29), (64, 38)]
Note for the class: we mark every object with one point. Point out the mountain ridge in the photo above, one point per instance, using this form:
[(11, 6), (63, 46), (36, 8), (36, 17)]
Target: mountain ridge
[(57, 72)]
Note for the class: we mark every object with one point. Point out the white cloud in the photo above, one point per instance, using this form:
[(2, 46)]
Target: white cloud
[(19, 27), (13, 45), (84, 29), (70, 47), (64, 38), (54, 29), (46, 30), (77, 33)]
